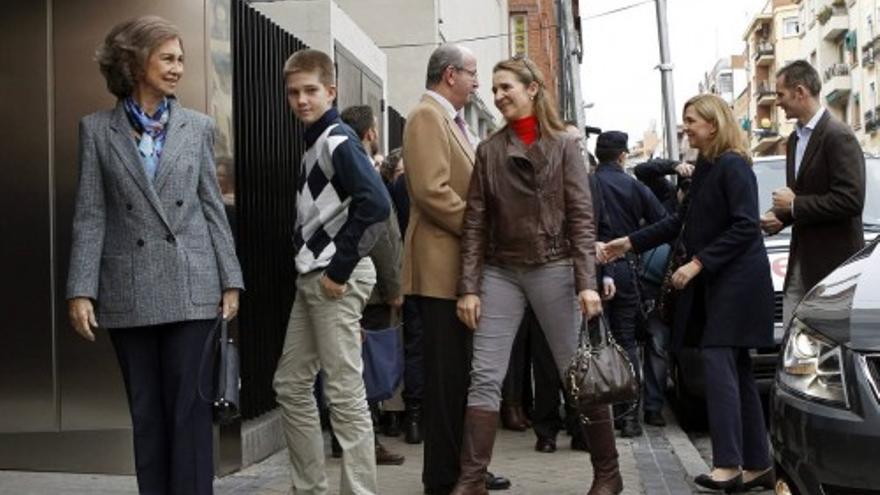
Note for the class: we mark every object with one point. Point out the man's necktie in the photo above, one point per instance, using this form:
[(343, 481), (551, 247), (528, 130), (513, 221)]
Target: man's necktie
[(461, 125)]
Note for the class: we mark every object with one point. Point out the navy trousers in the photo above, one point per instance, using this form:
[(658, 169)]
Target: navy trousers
[(736, 419), (173, 432)]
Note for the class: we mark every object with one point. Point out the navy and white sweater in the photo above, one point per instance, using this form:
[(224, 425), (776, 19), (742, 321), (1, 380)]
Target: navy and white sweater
[(341, 201)]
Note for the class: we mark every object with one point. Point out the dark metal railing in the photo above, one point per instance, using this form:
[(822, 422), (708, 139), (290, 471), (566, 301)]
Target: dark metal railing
[(268, 148)]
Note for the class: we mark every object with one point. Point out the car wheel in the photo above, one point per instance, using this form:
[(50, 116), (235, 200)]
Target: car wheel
[(690, 409)]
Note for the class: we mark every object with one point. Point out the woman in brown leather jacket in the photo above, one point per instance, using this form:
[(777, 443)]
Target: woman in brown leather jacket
[(527, 238)]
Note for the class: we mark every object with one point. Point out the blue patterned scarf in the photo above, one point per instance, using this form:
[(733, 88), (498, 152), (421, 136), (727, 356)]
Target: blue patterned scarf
[(152, 131)]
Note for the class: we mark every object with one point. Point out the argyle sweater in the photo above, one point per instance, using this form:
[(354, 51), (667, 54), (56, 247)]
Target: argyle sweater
[(341, 203)]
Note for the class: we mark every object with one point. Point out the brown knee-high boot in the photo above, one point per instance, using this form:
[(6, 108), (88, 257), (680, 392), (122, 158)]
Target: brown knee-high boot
[(476, 451), (603, 453)]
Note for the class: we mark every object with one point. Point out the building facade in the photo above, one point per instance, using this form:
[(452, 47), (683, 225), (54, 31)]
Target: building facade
[(772, 40), (407, 31)]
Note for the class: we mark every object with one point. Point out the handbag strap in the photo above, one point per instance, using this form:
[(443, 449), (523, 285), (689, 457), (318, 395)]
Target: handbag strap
[(605, 336)]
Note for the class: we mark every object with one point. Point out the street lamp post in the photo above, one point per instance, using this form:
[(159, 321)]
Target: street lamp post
[(666, 82)]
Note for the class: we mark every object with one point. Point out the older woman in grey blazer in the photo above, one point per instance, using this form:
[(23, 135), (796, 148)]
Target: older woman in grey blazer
[(153, 259)]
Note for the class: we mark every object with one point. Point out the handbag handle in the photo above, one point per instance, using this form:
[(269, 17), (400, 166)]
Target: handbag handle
[(605, 336)]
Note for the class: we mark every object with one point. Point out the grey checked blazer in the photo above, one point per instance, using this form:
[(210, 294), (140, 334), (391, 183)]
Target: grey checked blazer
[(150, 253)]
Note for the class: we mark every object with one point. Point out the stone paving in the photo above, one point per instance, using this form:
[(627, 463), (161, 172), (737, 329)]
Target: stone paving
[(661, 462), (563, 472)]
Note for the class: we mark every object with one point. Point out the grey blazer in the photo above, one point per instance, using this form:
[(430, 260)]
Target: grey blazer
[(150, 253)]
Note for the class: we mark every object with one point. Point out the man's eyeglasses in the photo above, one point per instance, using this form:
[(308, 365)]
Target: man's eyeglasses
[(473, 73)]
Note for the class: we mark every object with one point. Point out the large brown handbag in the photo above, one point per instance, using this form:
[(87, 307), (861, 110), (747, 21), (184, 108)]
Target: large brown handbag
[(600, 374)]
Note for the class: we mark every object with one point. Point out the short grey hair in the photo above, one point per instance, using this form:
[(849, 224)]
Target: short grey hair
[(123, 55), (444, 56)]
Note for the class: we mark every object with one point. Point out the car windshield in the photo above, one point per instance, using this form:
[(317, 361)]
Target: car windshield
[(771, 175)]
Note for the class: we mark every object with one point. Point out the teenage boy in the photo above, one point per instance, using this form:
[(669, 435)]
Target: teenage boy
[(341, 207)]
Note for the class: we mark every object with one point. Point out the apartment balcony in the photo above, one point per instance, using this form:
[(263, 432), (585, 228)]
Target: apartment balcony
[(837, 83), (868, 56), (765, 94), (765, 139), (765, 53), (836, 25)]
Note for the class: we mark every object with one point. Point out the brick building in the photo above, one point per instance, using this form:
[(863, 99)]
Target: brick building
[(534, 32)]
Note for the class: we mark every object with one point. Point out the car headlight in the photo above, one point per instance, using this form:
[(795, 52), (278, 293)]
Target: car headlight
[(812, 366)]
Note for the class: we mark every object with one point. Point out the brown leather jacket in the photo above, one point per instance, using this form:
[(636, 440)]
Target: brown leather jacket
[(528, 207)]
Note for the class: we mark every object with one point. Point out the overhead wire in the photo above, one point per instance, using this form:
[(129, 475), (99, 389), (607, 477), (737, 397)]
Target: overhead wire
[(504, 35)]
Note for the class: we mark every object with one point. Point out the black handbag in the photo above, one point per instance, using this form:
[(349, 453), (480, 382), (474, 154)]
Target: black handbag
[(668, 293), (221, 352), (677, 258), (600, 374)]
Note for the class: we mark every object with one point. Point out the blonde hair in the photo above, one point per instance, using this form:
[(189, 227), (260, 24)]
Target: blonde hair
[(728, 134), (545, 108)]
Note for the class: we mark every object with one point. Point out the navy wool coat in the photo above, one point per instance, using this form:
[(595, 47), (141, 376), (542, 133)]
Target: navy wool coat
[(730, 303)]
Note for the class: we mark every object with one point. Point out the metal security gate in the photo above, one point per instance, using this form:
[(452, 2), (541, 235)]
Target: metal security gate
[(268, 148)]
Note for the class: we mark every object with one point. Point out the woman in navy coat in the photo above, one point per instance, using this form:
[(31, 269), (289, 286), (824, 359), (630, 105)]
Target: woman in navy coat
[(725, 294)]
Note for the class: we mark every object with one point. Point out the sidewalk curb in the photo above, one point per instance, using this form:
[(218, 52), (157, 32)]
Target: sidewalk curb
[(684, 449)]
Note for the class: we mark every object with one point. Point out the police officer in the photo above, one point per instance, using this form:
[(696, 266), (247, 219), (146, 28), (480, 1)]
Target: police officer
[(627, 205)]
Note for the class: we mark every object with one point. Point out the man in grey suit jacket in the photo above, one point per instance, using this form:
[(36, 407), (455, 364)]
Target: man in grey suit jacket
[(825, 192)]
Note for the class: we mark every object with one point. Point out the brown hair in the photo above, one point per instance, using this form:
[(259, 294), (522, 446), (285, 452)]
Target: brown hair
[(309, 60), (545, 108), (800, 72), (123, 55), (728, 134)]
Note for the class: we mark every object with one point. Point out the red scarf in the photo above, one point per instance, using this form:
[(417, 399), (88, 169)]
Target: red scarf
[(526, 129)]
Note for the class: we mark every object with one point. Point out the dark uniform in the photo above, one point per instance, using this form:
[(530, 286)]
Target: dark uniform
[(653, 174), (627, 205)]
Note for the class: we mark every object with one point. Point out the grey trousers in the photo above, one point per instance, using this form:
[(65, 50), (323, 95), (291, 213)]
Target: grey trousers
[(325, 333), (505, 292), (794, 292)]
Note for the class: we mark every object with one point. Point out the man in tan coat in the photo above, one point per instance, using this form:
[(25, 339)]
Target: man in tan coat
[(439, 155)]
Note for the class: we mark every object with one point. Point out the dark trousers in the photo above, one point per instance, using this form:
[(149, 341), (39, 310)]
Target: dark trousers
[(656, 366), (447, 354), (622, 310), (413, 354), (736, 419), (173, 432), (545, 418)]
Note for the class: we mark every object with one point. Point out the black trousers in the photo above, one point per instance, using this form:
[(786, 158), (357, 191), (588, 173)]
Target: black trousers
[(548, 391), (447, 358), (413, 354), (173, 432), (736, 419)]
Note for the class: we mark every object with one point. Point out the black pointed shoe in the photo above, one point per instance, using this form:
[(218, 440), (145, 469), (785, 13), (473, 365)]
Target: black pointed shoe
[(766, 481), (731, 485)]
